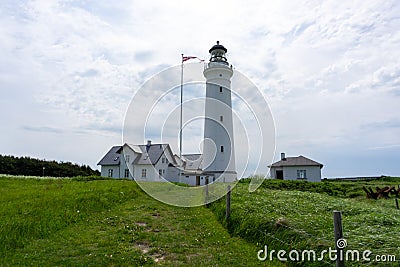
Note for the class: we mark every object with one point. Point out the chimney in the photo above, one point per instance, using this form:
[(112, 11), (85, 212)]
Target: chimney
[(283, 156), (148, 145)]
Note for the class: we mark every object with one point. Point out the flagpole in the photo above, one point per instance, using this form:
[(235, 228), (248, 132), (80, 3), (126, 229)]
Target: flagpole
[(180, 123)]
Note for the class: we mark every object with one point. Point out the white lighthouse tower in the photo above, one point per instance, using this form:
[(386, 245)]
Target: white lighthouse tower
[(218, 147)]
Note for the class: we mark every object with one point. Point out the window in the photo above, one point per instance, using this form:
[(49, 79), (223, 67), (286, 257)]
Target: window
[(163, 171), (126, 175), (163, 160), (221, 118), (222, 149), (110, 172), (301, 174), (144, 172), (160, 173), (127, 158), (220, 89)]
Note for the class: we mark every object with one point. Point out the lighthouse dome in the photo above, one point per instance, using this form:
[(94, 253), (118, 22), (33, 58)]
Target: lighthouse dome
[(217, 47)]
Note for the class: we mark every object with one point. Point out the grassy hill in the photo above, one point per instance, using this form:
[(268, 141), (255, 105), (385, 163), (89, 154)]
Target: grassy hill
[(103, 222), (78, 222), (298, 215)]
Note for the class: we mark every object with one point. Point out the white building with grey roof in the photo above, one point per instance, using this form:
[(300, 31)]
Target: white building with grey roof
[(150, 162), (153, 163), (296, 168)]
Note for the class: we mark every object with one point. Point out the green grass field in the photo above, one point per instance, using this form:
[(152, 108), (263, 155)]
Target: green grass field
[(103, 222), (72, 222)]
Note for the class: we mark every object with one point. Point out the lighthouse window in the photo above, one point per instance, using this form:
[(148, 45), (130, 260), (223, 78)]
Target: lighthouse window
[(222, 148), (220, 89), (221, 118)]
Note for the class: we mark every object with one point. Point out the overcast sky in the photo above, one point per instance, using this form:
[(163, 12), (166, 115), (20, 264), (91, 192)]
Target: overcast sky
[(330, 71)]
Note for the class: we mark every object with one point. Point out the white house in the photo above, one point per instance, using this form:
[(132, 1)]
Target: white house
[(296, 168), (150, 162), (154, 163)]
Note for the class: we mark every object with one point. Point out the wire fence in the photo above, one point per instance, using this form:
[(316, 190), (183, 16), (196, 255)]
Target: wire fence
[(305, 227), (267, 236)]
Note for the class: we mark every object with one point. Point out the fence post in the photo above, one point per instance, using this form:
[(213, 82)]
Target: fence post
[(338, 230), (397, 202), (228, 203), (206, 191)]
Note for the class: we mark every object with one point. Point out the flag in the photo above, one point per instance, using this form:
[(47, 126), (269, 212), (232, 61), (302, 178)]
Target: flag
[(185, 58)]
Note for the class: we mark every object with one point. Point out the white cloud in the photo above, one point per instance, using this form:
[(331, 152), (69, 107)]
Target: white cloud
[(326, 67)]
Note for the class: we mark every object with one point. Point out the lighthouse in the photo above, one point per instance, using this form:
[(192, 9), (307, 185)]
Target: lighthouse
[(218, 146)]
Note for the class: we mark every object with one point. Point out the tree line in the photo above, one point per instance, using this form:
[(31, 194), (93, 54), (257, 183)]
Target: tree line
[(36, 167)]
